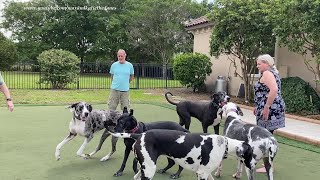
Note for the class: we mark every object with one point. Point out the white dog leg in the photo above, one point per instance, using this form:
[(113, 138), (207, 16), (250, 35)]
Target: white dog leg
[(114, 142), (218, 171), (104, 136), (137, 176), (250, 173), (81, 149), (62, 143), (210, 177), (238, 174)]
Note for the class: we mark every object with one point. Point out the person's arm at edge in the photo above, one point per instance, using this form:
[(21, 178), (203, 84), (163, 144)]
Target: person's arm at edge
[(4, 89)]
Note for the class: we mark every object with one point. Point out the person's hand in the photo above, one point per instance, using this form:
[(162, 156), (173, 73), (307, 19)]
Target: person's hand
[(10, 106), (265, 113)]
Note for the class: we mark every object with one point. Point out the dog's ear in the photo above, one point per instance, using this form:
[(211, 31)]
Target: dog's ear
[(239, 111), (73, 106), (131, 112), (89, 107), (125, 109)]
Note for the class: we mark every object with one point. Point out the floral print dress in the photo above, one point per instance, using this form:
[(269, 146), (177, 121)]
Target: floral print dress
[(277, 109)]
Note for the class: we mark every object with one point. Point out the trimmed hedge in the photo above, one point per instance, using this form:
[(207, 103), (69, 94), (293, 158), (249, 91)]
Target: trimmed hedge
[(192, 69), (299, 96)]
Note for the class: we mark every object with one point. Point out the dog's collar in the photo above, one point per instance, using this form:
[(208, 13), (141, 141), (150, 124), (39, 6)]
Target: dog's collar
[(134, 129), (226, 150)]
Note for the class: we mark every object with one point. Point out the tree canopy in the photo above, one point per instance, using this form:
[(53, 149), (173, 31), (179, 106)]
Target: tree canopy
[(8, 52), (146, 29), (242, 30), (298, 27)]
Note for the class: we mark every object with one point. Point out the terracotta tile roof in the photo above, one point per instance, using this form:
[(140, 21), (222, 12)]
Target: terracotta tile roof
[(194, 22)]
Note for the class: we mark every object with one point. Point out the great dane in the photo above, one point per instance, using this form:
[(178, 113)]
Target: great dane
[(204, 111), (200, 153), (263, 143), (128, 123), (86, 122)]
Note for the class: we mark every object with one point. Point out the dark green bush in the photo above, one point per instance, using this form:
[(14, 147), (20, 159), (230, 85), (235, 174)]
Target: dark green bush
[(299, 96), (8, 53), (58, 67), (191, 69)]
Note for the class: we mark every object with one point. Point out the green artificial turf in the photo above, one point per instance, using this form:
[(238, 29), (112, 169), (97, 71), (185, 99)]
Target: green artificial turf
[(29, 135)]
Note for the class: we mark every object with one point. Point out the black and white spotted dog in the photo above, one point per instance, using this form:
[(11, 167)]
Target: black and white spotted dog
[(225, 101), (263, 143), (85, 122), (200, 153), (128, 123)]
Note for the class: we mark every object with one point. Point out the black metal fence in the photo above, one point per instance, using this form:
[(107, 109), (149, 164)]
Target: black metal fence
[(93, 76)]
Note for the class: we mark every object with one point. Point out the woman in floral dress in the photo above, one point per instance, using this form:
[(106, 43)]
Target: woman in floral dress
[(269, 105)]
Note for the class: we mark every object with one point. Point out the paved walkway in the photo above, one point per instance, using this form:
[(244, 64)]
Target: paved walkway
[(298, 128)]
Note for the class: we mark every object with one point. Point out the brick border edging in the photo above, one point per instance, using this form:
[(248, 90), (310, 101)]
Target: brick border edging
[(287, 115), (298, 137)]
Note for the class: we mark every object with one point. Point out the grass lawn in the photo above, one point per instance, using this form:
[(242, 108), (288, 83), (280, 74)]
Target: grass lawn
[(30, 134)]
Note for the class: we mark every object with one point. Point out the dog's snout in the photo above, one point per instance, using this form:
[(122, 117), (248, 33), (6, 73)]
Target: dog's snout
[(86, 114)]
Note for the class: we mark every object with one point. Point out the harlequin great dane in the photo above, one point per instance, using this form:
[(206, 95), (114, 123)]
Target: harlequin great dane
[(263, 143), (201, 153), (128, 123), (204, 111), (86, 122)]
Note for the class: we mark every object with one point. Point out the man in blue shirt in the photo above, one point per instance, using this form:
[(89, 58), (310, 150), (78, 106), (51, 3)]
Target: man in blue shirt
[(4, 89), (122, 73)]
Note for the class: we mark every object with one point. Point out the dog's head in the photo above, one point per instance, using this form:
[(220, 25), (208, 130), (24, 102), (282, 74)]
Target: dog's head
[(225, 97), (216, 99), (245, 153), (81, 110), (126, 122), (231, 109)]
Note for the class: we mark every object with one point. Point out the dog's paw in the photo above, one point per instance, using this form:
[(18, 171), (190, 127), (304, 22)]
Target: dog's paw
[(217, 174), (174, 176), (117, 174), (57, 155), (236, 175), (92, 153), (105, 158), (58, 158), (86, 156), (161, 171)]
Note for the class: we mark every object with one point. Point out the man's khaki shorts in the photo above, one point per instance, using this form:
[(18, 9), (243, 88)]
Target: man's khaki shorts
[(117, 97)]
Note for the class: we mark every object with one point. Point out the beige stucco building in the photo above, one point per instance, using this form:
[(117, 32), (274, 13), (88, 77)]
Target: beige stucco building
[(288, 63)]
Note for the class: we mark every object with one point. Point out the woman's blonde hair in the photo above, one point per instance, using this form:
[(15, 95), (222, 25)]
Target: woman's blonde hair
[(266, 58)]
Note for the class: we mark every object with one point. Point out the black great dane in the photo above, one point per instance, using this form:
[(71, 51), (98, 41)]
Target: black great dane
[(204, 111)]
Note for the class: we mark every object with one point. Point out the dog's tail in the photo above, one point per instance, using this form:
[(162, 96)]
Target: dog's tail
[(171, 102), (125, 135)]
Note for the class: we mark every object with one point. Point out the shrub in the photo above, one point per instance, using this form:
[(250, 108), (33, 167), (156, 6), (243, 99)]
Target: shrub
[(299, 96), (191, 69), (58, 68)]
